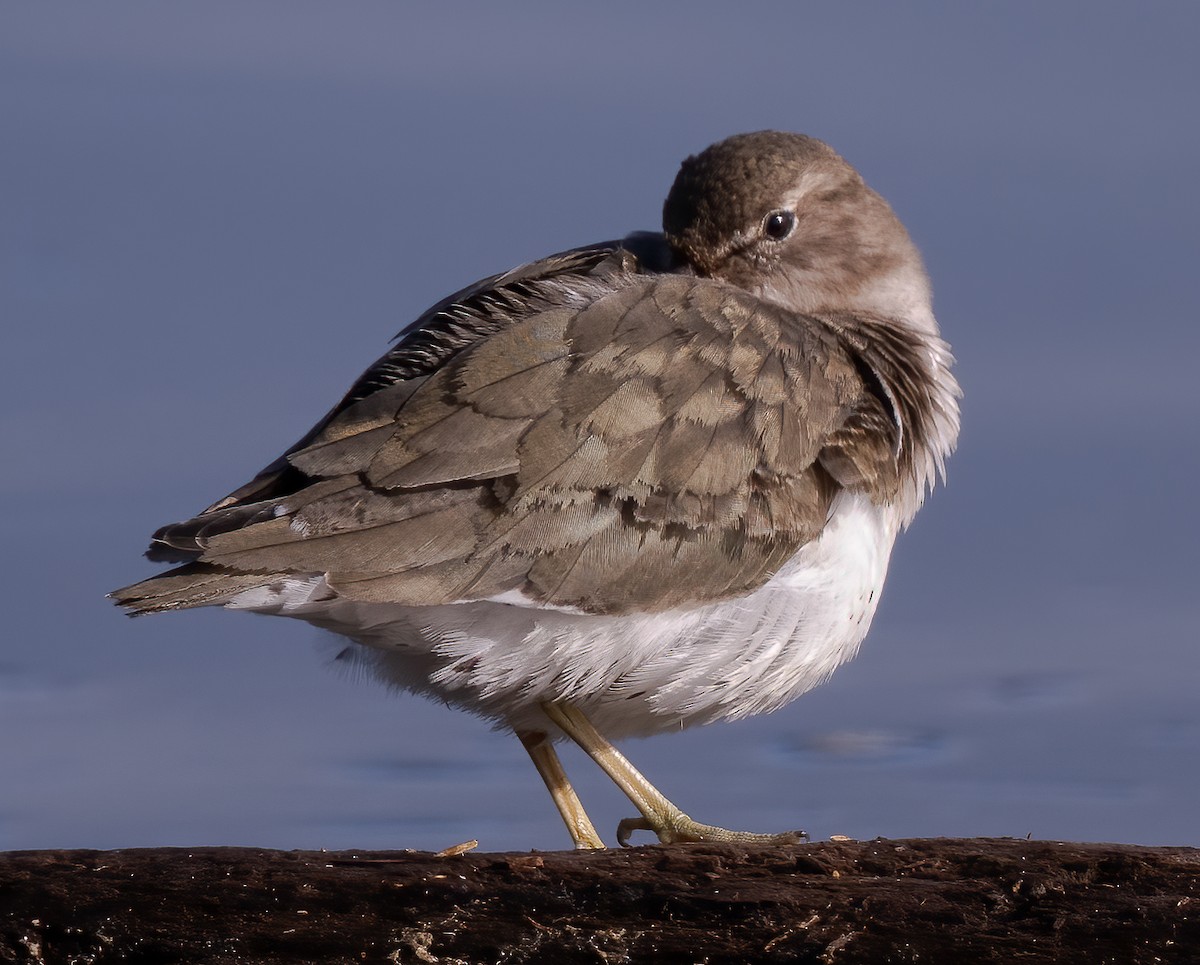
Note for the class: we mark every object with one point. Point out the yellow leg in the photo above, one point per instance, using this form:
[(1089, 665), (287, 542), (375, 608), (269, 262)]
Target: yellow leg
[(583, 833), (658, 814)]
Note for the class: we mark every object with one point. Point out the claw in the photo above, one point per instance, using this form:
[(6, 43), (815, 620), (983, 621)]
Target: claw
[(627, 826)]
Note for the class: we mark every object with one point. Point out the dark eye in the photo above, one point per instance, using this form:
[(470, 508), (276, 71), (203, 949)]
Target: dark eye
[(779, 224)]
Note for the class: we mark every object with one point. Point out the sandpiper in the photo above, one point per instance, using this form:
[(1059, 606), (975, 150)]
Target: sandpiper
[(632, 487)]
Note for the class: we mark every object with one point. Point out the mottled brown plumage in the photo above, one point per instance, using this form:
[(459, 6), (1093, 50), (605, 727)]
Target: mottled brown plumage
[(621, 437), (672, 439)]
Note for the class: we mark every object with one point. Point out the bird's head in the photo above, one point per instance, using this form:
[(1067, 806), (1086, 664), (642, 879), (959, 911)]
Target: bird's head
[(783, 216)]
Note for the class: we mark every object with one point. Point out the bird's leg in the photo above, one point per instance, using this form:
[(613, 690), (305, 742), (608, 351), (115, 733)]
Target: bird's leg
[(565, 799), (658, 814)]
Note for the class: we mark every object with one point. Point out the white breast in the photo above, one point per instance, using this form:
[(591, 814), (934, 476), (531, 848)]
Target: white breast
[(636, 674)]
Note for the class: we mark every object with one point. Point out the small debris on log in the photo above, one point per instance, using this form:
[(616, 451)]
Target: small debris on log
[(937, 900)]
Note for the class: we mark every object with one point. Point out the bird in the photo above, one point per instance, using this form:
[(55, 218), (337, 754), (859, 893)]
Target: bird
[(632, 487)]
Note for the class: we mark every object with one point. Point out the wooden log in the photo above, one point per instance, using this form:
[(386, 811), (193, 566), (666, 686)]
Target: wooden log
[(939, 900)]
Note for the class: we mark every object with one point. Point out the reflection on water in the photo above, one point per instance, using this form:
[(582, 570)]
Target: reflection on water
[(1027, 689), (875, 747)]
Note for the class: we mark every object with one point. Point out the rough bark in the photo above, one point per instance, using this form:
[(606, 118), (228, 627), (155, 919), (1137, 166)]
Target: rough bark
[(940, 900)]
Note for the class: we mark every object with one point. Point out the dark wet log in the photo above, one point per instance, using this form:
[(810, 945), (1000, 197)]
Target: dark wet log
[(940, 900)]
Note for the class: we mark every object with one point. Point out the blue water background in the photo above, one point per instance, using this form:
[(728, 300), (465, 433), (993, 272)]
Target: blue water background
[(214, 215)]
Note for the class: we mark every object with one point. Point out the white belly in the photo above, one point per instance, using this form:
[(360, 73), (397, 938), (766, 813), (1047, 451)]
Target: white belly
[(637, 674)]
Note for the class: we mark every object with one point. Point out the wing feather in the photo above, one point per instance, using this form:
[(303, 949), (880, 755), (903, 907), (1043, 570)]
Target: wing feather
[(613, 439)]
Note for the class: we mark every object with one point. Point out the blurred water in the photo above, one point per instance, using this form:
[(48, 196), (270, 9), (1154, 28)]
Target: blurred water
[(215, 215)]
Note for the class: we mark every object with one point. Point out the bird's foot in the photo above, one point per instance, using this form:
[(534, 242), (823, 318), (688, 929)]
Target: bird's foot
[(678, 828), (658, 814)]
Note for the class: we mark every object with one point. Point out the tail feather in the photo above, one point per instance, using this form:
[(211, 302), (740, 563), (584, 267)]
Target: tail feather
[(191, 585), (183, 542), (187, 540)]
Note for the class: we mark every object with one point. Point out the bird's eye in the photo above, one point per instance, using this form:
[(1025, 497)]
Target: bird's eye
[(779, 224)]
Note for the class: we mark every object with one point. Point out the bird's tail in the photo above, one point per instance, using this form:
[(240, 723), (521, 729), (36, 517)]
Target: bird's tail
[(190, 585)]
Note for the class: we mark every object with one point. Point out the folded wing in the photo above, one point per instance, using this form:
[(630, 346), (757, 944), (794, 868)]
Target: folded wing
[(600, 437)]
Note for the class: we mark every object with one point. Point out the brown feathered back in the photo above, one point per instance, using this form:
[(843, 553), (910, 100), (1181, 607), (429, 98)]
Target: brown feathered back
[(612, 439)]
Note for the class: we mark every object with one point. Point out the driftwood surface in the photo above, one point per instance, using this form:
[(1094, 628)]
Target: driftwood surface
[(929, 900)]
